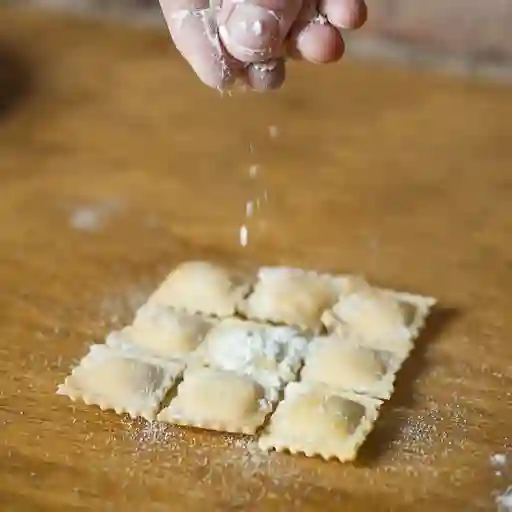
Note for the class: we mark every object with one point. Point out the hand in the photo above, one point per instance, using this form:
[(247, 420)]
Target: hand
[(250, 39)]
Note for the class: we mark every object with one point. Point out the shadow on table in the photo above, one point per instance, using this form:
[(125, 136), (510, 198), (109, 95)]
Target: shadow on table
[(394, 411), (16, 79)]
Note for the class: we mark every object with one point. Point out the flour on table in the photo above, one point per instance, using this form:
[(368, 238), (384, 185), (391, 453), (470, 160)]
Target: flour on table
[(123, 303), (92, 218)]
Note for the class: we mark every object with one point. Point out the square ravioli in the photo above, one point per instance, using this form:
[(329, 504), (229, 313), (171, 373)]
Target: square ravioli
[(113, 379), (292, 296), (316, 420), (202, 287), (340, 362), (270, 354), (381, 319), (163, 332), (219, 400)]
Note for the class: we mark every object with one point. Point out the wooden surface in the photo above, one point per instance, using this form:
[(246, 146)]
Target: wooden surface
[(115, 164)]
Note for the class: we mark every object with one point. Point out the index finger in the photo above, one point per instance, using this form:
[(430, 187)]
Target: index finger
[(194, 32)]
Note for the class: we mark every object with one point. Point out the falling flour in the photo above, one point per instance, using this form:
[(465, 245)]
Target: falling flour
[(253, 171), (244, 236), (254, 204)]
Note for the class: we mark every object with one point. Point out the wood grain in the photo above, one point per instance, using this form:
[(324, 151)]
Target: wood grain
[(115, 164)]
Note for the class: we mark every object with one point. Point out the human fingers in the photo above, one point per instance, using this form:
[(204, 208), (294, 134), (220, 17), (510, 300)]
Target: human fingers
[(347, 14), (313, 38), (254, 30), (266, 76), (194, 32)]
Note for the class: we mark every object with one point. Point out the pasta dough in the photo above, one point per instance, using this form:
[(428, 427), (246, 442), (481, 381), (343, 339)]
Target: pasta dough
[(341, 363), (381, 319), (164, 332), (218, 400), (315, 420), (300, 360), (202, 287), (292, 297), (112, 379)]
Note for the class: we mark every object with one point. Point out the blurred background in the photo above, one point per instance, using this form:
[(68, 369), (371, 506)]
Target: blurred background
[(116, 163), (463, 36)]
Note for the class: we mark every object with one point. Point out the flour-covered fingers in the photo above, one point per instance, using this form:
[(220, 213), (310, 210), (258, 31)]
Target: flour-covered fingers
[(347, 14), (313, 38), (194, 32), (318, 42), (266, 76), (255, 30)]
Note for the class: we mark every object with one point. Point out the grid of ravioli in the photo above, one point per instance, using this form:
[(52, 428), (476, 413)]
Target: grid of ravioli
[(298, 359)]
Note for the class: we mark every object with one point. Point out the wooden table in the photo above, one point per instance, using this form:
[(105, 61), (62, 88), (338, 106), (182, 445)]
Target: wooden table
[(115, 164)]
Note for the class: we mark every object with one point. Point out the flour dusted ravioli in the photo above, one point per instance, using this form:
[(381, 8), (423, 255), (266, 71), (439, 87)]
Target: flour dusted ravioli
[(341, 363), (292, 296), (219, 400), (271, 355), (315, 420), (202, 287), (332, 345), (382, 319), (112, 379), (163, 332)]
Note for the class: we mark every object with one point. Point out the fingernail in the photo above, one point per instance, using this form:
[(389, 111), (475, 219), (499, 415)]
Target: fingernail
[(252, 28)]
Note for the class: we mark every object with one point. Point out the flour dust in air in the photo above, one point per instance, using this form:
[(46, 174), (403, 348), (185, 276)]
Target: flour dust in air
[(253, 205), (244, 236)]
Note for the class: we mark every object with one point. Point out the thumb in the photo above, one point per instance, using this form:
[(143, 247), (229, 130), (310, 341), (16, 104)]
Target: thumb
[(254, 30)]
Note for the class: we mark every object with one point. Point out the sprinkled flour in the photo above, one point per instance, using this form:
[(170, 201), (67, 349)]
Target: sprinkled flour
[(254, 203), (121, 306), (431, 436), (249, 208), (92, 218), (269, 354), (241, 473)]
